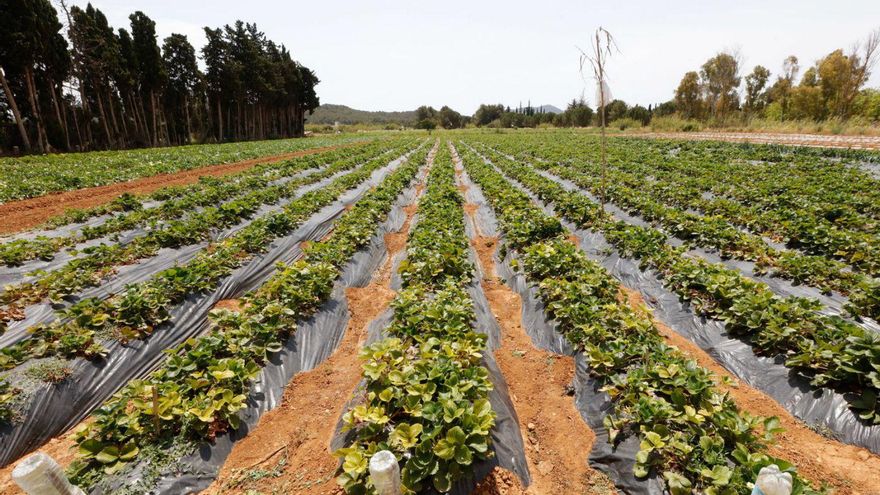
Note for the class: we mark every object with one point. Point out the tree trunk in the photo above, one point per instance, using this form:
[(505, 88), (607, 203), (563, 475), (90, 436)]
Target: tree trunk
[(186, 116), (62, 121), (238, 126), (103, 117), (219, 121), (123, 118), (155, 118), (116, 128), (164, 123), (76, 124), (15, 112), (119, 98), (142, 115), (87, 114), (288, 131), (42, 141)]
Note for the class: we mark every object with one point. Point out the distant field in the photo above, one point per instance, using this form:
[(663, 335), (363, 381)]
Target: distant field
[(432, 290), (35, 175)]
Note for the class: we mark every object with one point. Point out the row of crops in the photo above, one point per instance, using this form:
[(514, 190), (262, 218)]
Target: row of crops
[(205, 382), (426, 388), (832, 350), (98, 262), (101, 341), (107, 312), (689, 431), (30, 176)]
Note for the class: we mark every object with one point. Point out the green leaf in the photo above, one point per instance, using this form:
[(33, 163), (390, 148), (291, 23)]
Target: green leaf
[(108, 455), (463, 455), (678, 484), (355, 463), (90, 447), (652, 441), (223, 374), (720, 475), (405, 435), (129, 451), (442, 482)]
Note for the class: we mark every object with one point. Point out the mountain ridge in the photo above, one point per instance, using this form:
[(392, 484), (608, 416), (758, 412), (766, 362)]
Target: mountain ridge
[(330, 113)]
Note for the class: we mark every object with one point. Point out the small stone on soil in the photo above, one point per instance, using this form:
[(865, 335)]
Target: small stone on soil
[(545, 467)]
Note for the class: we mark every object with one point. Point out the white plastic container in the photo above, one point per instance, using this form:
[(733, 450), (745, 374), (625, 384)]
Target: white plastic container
[(771, 481), (39, 474), (385, 473)]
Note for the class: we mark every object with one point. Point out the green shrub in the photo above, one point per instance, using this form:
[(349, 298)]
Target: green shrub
[(625, 123), (674, 123)]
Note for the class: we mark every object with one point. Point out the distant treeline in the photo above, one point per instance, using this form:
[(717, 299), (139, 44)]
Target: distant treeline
[(576, 114), (832, 87), (86, 86)]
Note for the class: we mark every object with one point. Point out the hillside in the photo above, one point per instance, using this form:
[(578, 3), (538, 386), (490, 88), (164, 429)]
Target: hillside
[(550, 109), (329, 113)]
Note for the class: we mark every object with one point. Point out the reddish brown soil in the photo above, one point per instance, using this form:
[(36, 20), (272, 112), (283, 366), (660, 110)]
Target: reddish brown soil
[(471, 209), (299, 430), (228, 304), (292, 441), (556, 438), (28, 213), (500, 482), (848, 469)]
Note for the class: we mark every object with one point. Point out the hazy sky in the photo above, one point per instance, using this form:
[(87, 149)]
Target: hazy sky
[(397, 55)]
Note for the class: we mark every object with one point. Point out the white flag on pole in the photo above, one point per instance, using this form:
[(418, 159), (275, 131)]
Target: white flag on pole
[(606, 91)]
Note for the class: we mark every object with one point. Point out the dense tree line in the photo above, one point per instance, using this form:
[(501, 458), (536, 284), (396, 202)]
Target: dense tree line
[(428, 117), (576, 114), (100, 88), (833, 87)]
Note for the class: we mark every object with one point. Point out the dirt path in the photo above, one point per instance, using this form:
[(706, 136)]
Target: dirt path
[(811, 140), (555, 436), (288, 451), (28, 213), (848, 469)]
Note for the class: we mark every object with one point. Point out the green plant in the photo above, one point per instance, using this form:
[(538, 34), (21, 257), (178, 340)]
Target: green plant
[(833, 351), (199, 390), (690, 433), (426, 393), (52, 371), (7, 395)]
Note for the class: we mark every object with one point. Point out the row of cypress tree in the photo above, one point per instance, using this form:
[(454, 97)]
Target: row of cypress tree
[(82, 85)]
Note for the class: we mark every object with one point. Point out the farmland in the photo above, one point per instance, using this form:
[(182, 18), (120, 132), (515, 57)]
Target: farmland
[(498, 309)]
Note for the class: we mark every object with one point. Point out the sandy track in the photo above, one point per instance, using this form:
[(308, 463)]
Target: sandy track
[(28, 213), (555, 438), (810, 140)]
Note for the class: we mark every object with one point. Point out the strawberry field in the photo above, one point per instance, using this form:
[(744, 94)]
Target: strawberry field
[(713, 308)]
